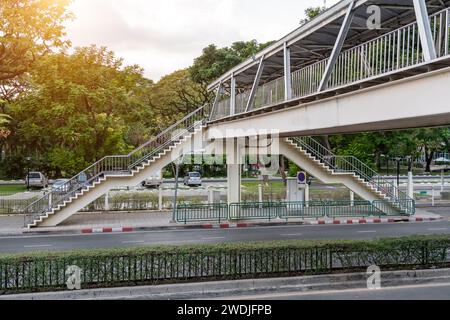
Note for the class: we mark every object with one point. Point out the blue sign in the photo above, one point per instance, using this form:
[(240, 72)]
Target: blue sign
[(302, 178)]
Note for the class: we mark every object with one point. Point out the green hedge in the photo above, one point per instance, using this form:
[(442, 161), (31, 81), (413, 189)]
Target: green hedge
[(154, 265)]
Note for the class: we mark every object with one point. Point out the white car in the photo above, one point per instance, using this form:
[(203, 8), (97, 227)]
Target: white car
[(193, 179), (154, 182), (36, 180)]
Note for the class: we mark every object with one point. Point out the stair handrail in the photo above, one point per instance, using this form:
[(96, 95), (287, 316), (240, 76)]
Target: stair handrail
[(319, 151), (117, 163)]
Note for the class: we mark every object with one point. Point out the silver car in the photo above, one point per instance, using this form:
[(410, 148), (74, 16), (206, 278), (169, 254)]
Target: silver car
[(193, 179), (60, 186), (36, 180)]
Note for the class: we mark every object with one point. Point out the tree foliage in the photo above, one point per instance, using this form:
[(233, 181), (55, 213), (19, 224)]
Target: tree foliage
[(216, 61), (79, 108), (28, 30)]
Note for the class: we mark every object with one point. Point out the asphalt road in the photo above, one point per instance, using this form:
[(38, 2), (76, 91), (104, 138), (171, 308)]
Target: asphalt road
[(17, 244), (439, 291)]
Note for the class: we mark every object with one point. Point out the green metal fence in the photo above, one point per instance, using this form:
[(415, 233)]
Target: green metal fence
[(290, 210), (202, 212), (254, 211), (348, 209), (401, 207)]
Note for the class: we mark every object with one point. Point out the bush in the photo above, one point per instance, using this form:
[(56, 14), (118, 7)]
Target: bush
[(154, 265)]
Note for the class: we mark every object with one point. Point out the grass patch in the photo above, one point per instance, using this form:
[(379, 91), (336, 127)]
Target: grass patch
[(12, 189)]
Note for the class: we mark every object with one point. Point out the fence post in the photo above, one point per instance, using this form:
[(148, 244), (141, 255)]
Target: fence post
[(160, 199), (107, 202), (260, 193), (307, 195)]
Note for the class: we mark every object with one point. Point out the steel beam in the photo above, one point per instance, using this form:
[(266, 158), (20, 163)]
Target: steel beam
[(251, 98), (216, 101), (287, 73), (233, 96), (423, 23), (338, 45)]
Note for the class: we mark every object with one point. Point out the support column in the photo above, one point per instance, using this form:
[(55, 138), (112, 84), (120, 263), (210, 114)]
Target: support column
[(423, 24), (233, 96), (287, 73), (233, 171)]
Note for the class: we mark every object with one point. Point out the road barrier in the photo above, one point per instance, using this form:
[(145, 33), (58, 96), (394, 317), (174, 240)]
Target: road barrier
[(156, 265)]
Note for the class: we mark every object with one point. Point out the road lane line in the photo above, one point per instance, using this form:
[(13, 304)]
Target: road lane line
[(291, 235), (38, 246), (369, 231), (131, 242), (437, 229), (213, 238)]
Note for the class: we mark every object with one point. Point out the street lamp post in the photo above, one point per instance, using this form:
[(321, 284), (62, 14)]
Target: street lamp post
[(28, 173)]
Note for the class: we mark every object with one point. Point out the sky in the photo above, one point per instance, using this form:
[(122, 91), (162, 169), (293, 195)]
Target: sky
[(163, 36)]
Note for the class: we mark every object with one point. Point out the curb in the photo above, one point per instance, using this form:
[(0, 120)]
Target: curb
[(240, 225)]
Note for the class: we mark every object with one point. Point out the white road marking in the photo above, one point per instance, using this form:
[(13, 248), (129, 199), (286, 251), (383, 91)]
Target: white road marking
[(292, 235), (131, 242), (214, 238), (39, 246), (437, 229), (369, 231)]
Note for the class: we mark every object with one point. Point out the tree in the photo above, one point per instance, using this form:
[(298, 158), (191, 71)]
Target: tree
[(29, 29), (431, 141), (4, 131), (175, 96), (79, 108), (216, 61), (311, 13)]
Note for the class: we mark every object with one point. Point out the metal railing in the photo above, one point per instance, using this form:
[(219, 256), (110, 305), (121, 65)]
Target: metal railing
[(282, 210), (391, 52), (338, 164), (201, 212), (116, 165)]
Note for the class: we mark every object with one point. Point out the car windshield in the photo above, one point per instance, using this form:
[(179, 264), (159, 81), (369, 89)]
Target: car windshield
[(194, 175), (34, 175)]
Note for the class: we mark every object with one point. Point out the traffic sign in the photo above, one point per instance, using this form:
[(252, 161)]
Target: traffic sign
[(302, 178)]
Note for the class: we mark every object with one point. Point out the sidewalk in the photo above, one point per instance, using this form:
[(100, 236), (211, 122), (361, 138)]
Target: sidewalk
[(107, 222)]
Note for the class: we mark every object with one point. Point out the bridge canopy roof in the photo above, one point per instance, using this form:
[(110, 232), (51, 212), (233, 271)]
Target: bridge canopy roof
[(315, 40)]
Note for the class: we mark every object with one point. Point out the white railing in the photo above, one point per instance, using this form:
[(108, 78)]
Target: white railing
[(391, 52)]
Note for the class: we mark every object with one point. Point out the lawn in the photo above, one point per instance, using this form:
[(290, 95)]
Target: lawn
[(12, 189)]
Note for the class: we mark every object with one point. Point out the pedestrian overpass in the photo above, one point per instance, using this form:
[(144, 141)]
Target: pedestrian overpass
[(363, 65)]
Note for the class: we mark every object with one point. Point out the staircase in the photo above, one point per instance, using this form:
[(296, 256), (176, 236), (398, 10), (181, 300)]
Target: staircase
[(112, 171), (354, 174)]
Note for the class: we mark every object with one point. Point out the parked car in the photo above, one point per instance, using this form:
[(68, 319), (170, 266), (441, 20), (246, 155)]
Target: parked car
[(61, 186), (193, 179), (154, 182), (36, 180)]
